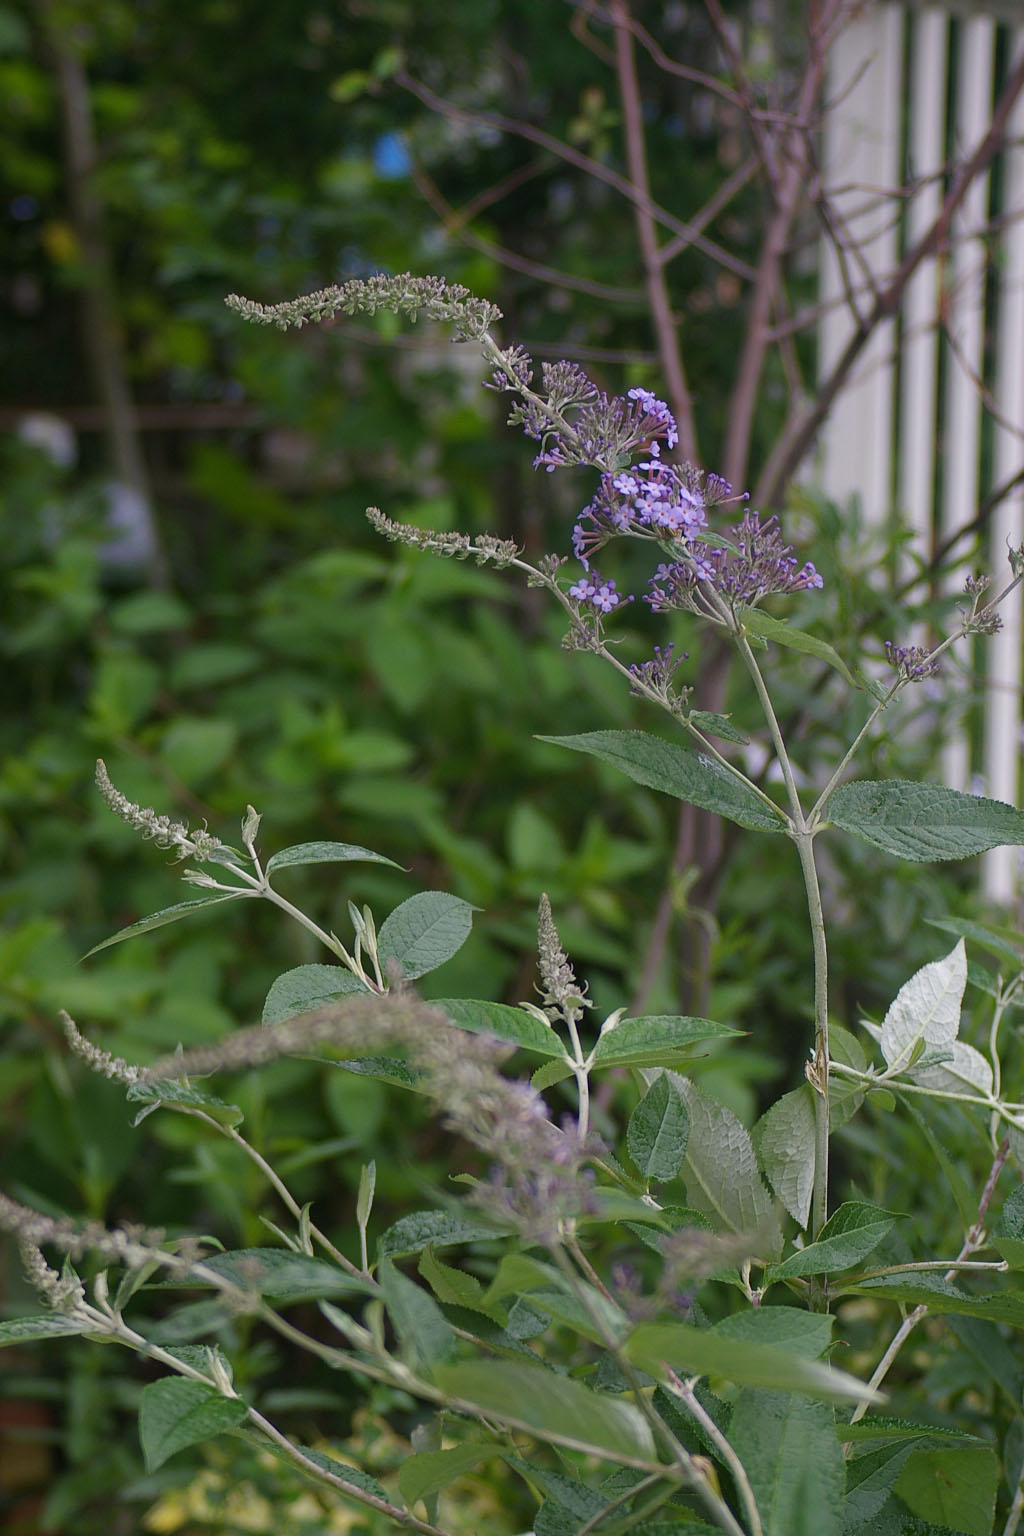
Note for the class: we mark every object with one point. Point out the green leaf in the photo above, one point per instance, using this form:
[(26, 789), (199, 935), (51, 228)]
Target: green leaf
[(658, 1131), (325, 853), (423, 1331), (425, 931), (174, 1413), (805, 1334), (784, 1140), (1008, 1238), (717, 725), (954, 1485), (280, 1275), (162, 918), (455, 1287), (655, 1040), (757, 622), (504, 1022), (305, 987), (940, 1296), (720, 1169), (685, 775), (846, 1239), (554, 1407), (22, 1330), (162, 1091), (386, 1069), (437, 1229), (354, 1475), (550, 1073), (1004, 942), (880, 1427), (923, 822), (430, 1472), (926, 1008), (708, 1352), (789, 1449)]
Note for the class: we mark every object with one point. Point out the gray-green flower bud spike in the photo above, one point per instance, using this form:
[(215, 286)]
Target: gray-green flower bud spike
[(175, 835), (560, 988)]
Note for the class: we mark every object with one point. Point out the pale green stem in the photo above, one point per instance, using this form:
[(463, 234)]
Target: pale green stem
[(697, 1484), (999, 1265), (803, 836), (581, 1074), (685, 1391), (273, 1178), (974, 1240), (1016, 1510)]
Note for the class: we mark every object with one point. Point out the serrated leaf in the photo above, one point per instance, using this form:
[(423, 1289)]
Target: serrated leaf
[(1008, 1238), (658, 1131), (353, 1475), (923, 823), (22, 1330), (805, 1334), (162, 1091), (438, 1229), (162, 918), (550, 1073), (504, 1022), (764, 625), (685, 775), (423, 1331), (940, 1296), (876, 1426), (955, 1485), (325, 853), (926, 1008), (846, 1239), (305, 987), (279, 1274), (430, 1472), (717, 725), (784, 1140), (789, 1450), (682, 1348), (425, 931), (556, 1408), (455, 1287), (720, 1170), (174, 1413), (655, 1040)]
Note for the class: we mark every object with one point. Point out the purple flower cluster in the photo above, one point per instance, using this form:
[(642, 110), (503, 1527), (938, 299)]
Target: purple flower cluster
[(653, 500), (658, 676), (755, 563), (595, 593), (607, 431), (911, 662)]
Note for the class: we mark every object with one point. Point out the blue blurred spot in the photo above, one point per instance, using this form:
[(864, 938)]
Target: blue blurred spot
[(23, 207), (390, 157)]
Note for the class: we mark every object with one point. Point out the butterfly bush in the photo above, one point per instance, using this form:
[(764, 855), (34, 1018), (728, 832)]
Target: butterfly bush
[(603, 1364)]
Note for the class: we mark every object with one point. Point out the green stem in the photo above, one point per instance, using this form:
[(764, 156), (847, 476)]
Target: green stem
[(803, 836)]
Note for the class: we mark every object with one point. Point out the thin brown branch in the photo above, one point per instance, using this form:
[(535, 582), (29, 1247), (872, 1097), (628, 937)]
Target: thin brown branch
[(455, 225), (582, 162), (793, 152), (665, 333), (795, 442)]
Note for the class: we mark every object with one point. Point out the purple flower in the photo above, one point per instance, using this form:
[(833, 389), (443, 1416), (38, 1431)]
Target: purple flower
[(595, 593), (912, 663)]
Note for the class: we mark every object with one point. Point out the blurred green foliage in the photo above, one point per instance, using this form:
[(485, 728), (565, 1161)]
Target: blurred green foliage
[(346, 689)]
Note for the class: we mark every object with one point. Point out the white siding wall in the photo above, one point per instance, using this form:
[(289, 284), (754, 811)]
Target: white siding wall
[(922, 463)]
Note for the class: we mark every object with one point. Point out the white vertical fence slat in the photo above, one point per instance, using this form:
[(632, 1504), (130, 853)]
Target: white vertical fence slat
[(1002, 746), (964, 316), (883, 131), (861, 152), (919, 342)]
